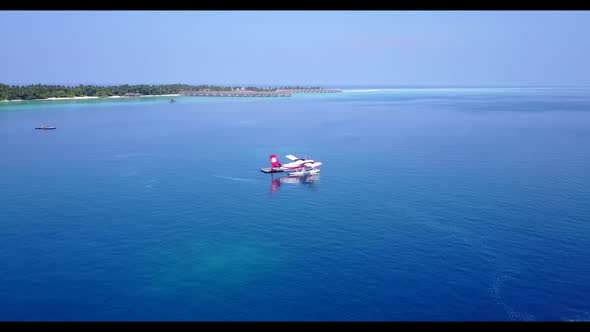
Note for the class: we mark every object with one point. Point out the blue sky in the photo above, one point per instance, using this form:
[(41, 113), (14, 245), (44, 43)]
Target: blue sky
[(383, 48)]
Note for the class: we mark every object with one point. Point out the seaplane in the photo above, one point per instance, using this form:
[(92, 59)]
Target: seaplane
[(297, 166)]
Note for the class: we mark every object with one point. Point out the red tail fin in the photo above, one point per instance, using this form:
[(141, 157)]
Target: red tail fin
[(274, 161)]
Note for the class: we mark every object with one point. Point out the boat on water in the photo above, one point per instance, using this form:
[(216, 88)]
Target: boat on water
[(44, 127)]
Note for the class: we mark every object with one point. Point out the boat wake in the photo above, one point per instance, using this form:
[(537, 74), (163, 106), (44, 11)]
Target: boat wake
[(234, 178), (363, 90), (583, 317), (127, 156), (510, 311)]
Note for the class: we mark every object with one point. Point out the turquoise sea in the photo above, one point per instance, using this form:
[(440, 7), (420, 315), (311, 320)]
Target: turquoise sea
[(432, 204)]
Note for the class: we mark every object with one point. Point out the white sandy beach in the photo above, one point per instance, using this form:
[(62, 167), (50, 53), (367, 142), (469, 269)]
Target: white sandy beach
[(168, 95), (91, 97), (67, 98)]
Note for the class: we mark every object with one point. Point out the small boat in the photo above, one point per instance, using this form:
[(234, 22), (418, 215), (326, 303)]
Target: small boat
[(44, 127)]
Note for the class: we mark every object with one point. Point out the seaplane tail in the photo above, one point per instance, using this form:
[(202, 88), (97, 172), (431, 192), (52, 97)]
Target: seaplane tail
[(274, 161)]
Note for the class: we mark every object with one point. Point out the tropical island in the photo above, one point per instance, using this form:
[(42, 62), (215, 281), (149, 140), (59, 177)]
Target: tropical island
[(48, 92)]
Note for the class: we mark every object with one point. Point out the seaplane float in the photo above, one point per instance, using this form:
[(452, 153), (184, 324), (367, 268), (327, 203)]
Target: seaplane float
[(307, 180), (44, 127), (297, 166)]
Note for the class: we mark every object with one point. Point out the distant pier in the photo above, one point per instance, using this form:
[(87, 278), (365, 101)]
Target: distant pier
[(315, 90), (236, 93), (253, 93)]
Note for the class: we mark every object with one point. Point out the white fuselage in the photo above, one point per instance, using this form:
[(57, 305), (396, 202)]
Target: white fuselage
[(295, 165), (301, 165)]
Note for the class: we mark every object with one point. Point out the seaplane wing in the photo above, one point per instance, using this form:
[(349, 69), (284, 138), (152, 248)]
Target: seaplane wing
[(312, 165), (293, 165), (291, 157)]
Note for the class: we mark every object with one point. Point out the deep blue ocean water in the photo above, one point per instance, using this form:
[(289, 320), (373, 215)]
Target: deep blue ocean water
[(432, 204)]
